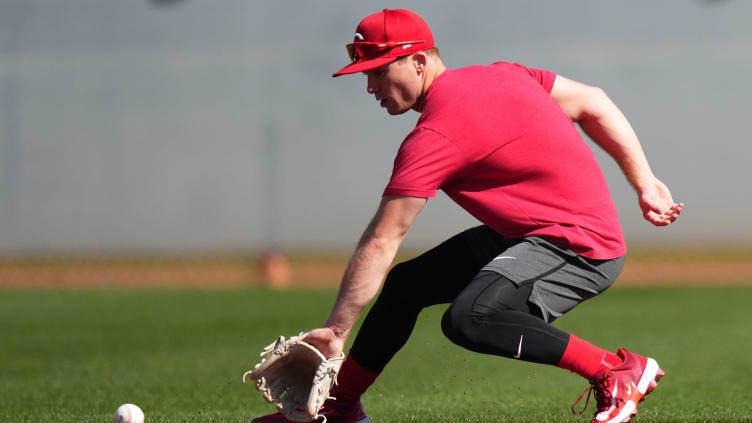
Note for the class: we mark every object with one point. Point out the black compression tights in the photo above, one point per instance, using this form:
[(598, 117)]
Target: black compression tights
[(489, 314)]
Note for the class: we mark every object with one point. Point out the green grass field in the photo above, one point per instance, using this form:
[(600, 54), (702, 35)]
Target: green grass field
[(74, 356)]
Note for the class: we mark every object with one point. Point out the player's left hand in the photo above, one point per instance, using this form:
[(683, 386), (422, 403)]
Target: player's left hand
[(326, 341), (296, 377), (657, 205)]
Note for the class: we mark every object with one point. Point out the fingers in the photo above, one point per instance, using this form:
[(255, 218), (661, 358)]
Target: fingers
[(664, 218), (673, 212), (657, 205), (656, 219)]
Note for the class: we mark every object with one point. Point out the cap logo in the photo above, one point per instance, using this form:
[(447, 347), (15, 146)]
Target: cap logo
[(406, 46), (359, 37)]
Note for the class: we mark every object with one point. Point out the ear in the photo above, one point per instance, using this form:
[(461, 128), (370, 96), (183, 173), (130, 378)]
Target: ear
[(419, 61)]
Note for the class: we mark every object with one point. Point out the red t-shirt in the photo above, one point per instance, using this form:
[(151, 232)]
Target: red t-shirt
[(496, 142)]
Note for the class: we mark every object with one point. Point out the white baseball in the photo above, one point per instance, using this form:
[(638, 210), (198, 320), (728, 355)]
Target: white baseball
[(129, 413)]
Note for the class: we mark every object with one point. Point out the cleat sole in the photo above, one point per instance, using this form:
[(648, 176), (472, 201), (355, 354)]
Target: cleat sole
[(653, 383), (650, 377)]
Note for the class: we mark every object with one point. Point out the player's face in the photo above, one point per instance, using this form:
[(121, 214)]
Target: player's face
[(396, 85)]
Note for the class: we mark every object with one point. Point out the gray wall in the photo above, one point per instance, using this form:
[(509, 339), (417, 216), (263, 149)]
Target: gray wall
[(200, 125)]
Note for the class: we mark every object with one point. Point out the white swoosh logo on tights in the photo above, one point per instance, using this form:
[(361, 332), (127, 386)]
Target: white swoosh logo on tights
[(519, 348)]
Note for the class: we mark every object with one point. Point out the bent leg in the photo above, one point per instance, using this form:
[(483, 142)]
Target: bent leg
[(493, 315), (435, 277), (507, 308)]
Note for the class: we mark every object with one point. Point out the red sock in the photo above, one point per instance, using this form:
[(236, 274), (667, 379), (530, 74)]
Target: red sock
[(586, 359), (352, 382)]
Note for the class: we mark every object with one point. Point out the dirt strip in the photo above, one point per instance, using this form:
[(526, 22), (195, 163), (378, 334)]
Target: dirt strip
[(220, 273)]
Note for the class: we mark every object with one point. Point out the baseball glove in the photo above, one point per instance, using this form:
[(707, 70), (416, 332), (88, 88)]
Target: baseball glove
[(295, 376)]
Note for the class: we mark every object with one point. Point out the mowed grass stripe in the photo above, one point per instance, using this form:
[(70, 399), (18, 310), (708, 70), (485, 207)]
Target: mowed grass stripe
[(70, 356)]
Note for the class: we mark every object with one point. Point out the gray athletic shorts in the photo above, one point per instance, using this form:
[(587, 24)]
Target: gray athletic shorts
[(561, 279)]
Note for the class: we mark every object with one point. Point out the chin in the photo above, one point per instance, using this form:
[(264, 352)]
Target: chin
[(395, 112)]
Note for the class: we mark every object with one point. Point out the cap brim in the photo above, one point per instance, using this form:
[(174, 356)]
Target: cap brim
[(364, 65)]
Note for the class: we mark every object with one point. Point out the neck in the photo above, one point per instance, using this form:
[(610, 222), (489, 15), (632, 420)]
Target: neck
[(435, 68)]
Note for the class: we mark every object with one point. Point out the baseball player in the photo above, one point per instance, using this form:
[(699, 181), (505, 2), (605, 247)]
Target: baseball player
[(500, 140)]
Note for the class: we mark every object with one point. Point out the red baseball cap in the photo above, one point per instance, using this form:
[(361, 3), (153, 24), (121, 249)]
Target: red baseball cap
[(385, 36)]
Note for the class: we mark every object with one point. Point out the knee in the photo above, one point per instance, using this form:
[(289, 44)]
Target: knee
[(457, 326), (468, 328), (499, 335)]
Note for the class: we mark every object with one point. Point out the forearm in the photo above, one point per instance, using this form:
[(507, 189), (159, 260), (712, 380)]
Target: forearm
[(361, 281), (607, 126), (365, 272)]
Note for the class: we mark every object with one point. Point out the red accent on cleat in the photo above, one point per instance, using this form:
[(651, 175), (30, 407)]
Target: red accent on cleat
[(618, 391)]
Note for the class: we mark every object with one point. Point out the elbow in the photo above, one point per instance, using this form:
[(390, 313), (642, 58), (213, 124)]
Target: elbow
[(381, 245), (596, 104), (599, 98), (597, 92), (376, 242)]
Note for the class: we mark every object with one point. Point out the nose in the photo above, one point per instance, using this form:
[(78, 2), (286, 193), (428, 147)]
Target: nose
[(371, 85)]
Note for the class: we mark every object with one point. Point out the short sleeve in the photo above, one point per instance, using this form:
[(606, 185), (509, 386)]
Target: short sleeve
[(425, 161), (544, 77)]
